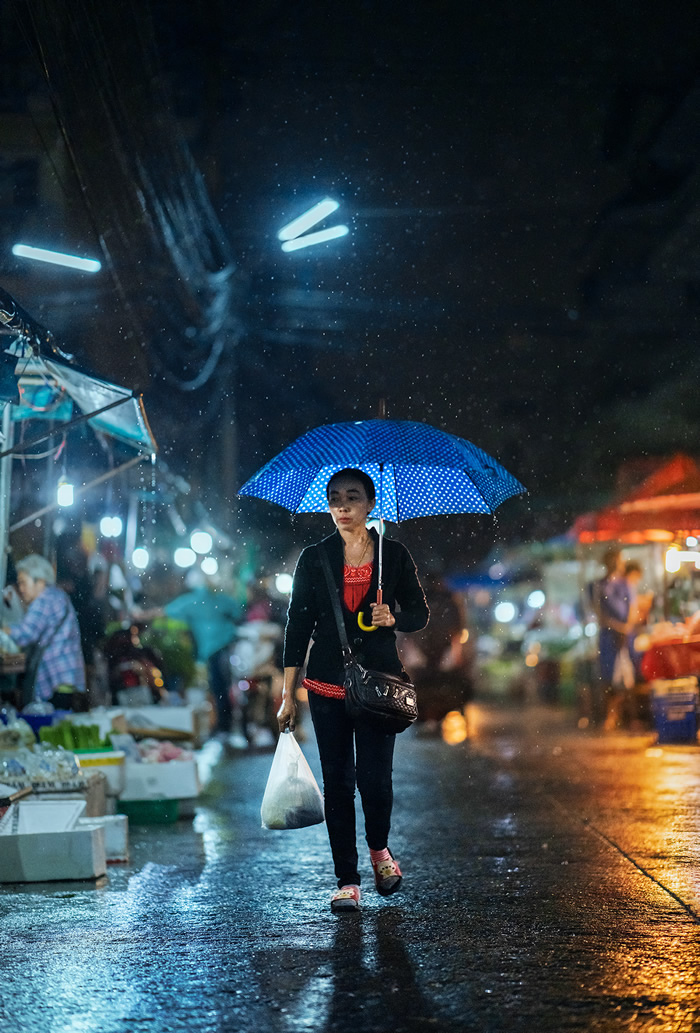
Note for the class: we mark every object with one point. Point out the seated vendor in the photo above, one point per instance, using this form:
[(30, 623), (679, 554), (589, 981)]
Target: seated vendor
[(55, 664)]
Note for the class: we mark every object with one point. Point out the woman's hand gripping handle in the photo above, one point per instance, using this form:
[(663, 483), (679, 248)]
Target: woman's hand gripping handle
[(287, 713)]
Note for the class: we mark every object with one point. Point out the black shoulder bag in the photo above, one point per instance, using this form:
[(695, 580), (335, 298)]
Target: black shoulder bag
[(386, 700)]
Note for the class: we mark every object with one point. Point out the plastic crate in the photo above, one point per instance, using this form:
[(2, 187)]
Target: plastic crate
[(676, 717), (149, 812)]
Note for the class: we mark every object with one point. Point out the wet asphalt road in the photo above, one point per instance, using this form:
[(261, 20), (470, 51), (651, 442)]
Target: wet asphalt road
[(552, 883)]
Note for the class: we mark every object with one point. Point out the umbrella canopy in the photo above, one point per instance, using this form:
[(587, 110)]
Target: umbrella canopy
[(417, 470)]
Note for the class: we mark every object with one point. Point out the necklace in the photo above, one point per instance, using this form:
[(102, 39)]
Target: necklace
[(368, 542)]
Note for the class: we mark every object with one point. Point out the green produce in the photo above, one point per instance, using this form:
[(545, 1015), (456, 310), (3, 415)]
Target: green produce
[(74, 736)]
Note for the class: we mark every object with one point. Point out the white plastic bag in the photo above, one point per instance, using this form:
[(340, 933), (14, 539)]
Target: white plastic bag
[(623, 671), (292, 798)]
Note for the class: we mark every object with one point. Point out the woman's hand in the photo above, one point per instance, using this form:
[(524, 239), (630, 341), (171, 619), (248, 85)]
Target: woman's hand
[(382, 617), (287, 714)]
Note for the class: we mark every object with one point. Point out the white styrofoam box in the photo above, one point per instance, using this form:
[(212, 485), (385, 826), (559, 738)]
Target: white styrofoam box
[(116, 832), (27, 817), (171, 780), (77, 853), (110, 764), (194, 719)]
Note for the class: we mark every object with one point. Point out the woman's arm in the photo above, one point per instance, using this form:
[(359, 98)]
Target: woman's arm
[(33, 625), (301, 615), (301, 620), (287, 713)]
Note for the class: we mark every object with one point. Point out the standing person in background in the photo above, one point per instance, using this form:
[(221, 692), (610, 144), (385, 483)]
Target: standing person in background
[(51, 627), (211, 617), (611, 603), (353, 753), (640, 608)]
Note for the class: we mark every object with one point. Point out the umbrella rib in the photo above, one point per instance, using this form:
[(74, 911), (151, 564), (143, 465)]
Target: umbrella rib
[(396, 493)]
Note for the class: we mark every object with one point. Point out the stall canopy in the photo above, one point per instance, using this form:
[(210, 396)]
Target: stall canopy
[(666, 504), (35, 384), (126, 422)]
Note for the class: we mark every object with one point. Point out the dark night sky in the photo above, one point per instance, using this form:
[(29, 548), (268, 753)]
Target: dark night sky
[(520, 180)]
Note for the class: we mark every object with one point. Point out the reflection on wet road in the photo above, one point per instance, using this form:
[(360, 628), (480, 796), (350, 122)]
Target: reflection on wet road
[(552, 884)]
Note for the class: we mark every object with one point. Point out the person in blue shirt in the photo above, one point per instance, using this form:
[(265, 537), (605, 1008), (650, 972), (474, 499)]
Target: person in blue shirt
[(211, 617)]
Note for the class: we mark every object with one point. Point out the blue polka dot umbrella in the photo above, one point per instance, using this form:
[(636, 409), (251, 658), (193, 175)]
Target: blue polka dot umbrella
[(417, 470)]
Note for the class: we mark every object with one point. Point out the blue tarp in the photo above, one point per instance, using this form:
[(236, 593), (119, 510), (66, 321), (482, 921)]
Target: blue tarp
[(126, 422)]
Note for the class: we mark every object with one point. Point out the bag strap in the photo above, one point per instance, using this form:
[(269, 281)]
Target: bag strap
[(57, 628), (39, 651), (335, 602)]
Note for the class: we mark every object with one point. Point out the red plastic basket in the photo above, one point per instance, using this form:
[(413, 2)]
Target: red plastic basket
[(672, 659)]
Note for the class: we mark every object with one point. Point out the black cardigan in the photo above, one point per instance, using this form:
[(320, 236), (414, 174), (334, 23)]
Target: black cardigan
[(310, 614)]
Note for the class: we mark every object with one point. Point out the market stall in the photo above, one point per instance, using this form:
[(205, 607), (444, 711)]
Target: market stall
[(660, 520), (115, 768)]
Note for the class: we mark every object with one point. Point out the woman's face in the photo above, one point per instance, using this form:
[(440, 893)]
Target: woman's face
[(29, 589), (348, 503)]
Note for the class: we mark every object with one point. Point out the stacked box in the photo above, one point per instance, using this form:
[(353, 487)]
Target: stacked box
[(674, 707)]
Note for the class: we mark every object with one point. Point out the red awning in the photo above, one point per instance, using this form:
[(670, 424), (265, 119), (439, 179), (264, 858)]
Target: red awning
[(664, 506)]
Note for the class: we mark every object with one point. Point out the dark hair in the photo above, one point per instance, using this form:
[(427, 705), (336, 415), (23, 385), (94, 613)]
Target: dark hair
[(357, 475), (633, 567), (610, 557)]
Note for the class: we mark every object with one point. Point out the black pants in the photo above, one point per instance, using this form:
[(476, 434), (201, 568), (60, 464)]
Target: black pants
[(352, 755)]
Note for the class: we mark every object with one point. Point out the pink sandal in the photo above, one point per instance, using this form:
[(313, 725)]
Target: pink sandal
[(347, 898), (387, 876)]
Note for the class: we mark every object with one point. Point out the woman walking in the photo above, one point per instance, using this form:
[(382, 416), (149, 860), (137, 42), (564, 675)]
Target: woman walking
[(353, 754)]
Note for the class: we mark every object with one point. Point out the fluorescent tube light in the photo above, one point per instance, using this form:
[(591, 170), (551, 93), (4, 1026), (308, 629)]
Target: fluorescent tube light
[(307, 220), (315, 238), (86, 265)]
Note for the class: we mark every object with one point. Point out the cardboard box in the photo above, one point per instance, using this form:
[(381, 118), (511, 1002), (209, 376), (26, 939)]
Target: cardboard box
[(172, 780)]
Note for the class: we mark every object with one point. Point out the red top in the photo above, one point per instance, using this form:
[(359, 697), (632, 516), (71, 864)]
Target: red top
[(356, 581)]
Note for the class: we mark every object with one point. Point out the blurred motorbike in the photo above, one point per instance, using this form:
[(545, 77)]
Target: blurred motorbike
[(134, 670)]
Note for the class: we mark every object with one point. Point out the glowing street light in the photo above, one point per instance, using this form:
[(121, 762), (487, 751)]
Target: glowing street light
[(209, 566), (40, 254), (309, 218)]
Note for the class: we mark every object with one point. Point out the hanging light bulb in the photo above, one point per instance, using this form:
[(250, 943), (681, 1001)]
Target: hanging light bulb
[(201, 542), (65, 493), (209, 566), (111, 526), (140, 558), (185, 557)]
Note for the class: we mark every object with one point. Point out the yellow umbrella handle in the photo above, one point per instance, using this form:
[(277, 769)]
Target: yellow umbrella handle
[(361, 623)]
